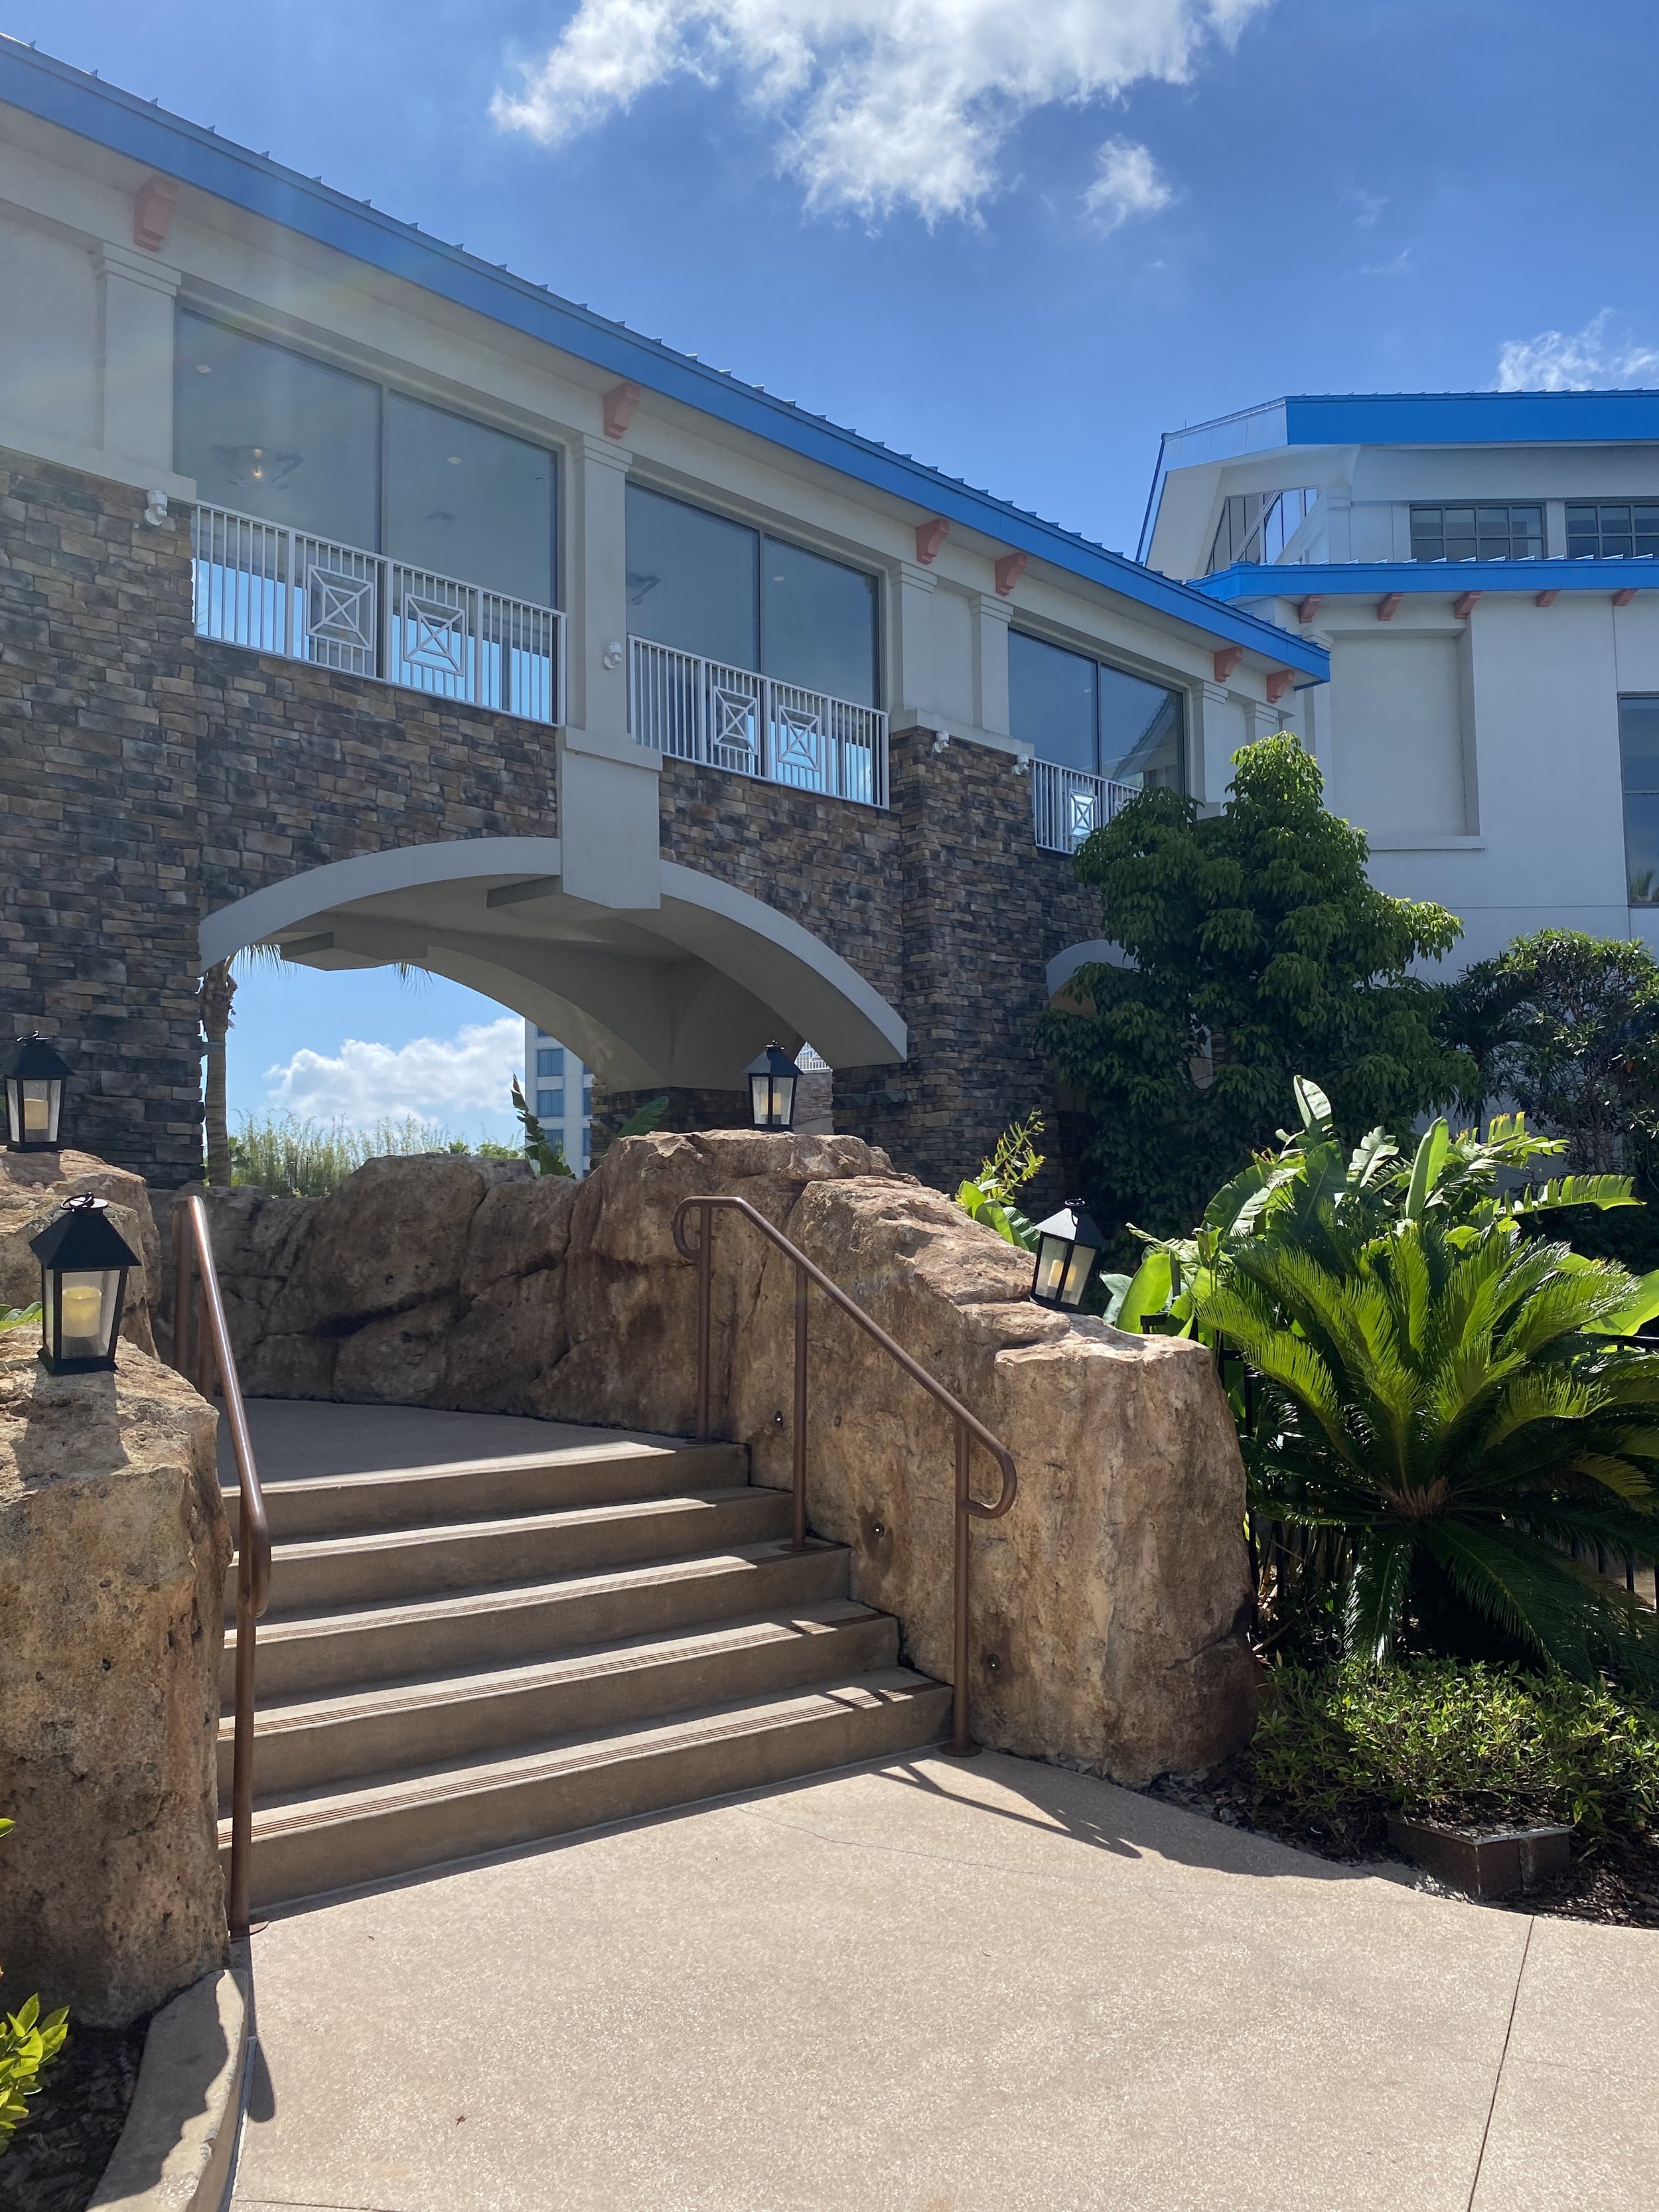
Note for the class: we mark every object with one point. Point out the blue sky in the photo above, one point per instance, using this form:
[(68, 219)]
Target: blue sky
[(1016, 237)]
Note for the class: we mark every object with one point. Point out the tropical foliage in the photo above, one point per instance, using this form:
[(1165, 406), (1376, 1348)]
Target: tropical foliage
[(988, 1197), (1567, 1026), (1442, 1395), (544, 1153), (1253, 946), (28, 2043), (291, 1155)]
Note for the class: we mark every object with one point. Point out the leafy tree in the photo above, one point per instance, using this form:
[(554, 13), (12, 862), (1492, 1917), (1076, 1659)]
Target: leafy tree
[(1567, 1025), (1442, 1391), (1257, 947)]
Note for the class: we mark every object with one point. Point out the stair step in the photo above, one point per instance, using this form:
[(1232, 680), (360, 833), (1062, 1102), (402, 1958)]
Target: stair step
[(331, 1651), (399, 1824), (491, 1489), (304, 1743), (390, 1567)]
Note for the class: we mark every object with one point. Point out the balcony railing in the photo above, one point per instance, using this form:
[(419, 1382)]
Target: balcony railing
[(276, 590), (700, 710), (1067, 804)]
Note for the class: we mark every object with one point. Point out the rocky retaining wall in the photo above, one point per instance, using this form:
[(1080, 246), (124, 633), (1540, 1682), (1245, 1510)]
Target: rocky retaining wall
[(1109, 1605), (114, 1547)]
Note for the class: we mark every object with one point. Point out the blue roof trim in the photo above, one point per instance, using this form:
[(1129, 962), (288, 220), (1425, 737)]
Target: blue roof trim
[(146, 133), (1291, 580), (1474, 418)]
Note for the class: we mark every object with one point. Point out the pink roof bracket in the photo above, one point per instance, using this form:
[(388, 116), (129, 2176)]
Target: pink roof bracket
[(930, 536), (153, 207), (1226, 660), (1279, 681), (619, 404), (1010, 569)]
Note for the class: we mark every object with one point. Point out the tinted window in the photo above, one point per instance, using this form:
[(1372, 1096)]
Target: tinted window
[(1051, 702), (1139, 729), (468, 502), (268, 433), (1477, 533), (692, 579), (1638, 742), (820, 624)]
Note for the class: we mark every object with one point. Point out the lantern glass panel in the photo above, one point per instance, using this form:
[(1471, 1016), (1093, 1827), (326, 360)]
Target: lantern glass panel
[(1053, 1253), (80, 1311), (1078, 1263), (41, 1104)]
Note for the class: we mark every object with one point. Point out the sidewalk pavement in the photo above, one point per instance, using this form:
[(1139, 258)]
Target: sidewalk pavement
[(934, 1987)]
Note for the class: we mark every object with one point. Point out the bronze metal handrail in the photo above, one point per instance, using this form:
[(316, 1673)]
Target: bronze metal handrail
[(197, 1299), (967, 1428)]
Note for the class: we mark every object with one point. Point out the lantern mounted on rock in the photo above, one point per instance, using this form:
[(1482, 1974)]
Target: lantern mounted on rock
[(772, 1081), (84, 1259), (1068, 1244), (34, 1097)]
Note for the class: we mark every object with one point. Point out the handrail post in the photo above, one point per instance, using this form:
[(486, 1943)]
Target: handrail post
[(961, 1743), (799, 1544), (704, 1240)]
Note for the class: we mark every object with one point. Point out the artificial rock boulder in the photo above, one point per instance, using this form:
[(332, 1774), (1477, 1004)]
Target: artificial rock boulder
[(34, 1185), (113, 1546), (1109, 1604)]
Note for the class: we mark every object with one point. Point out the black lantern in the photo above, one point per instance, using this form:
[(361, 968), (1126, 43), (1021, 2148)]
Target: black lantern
[(1068, 1244), (772, 1081), (34, 1097), (84, 1260)]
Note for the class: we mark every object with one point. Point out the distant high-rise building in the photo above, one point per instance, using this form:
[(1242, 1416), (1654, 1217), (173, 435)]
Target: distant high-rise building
[(560, 1091)]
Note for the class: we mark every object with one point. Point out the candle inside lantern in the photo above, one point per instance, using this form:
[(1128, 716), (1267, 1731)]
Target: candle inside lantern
[(83, 1307), (35, 1112)]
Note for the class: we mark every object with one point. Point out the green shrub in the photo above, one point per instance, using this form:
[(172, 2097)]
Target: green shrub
[(27, 2046), (1339, 1748)]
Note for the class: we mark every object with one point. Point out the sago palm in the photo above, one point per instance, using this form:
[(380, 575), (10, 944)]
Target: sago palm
[(1444, 1393)]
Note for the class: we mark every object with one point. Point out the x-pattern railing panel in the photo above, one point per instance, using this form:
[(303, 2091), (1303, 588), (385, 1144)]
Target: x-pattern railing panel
[(733, 718)]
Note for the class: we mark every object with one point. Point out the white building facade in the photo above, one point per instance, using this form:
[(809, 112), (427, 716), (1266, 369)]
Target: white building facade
[(1483, 569), (560, 1091)]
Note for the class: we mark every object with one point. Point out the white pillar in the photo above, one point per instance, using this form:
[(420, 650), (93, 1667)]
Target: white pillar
[(911, 659), (1339, 522), (1221, 731), (609, 824), (990, 620), (137, 293)]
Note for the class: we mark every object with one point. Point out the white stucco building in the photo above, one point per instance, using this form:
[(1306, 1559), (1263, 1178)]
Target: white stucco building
[(1484, 570)]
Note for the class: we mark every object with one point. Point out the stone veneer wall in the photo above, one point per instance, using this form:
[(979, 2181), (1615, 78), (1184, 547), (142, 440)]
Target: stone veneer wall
[(149, 776)]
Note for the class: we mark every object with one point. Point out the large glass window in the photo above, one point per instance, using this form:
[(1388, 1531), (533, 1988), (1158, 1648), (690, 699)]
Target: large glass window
[(468, 502), (1082, 713), (1257, 525), (692, 579), (1477, 533), (1639, 746), (716, 588), (1612, 530), (270, 433)]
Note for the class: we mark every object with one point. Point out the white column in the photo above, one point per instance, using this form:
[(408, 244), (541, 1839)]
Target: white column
[(990, 621), (1221, 731), (1339, 522), (609, 824), (137, 293), (911, 659)]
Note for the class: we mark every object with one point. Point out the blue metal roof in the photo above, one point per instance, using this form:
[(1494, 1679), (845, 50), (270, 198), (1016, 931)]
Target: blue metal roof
[(143, 131), (1301, 580)]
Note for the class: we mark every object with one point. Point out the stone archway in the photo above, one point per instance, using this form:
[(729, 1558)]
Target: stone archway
[(679, 995)]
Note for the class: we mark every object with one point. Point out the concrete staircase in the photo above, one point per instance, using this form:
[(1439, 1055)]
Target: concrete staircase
[(460, 1657)]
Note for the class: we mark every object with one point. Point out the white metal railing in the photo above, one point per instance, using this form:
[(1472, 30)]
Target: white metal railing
[(1067, 804), (277, 589), (701, 710)]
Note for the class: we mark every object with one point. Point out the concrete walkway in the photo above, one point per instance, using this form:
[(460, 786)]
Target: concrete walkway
[(940, 1988)]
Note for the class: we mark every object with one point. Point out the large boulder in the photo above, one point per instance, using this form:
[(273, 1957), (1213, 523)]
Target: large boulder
[(1109, 1606), (114, 1547), (34, 1185)]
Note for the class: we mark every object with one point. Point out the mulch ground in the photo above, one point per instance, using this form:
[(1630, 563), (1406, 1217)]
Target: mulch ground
[(58, 2156), (1612, 1878)]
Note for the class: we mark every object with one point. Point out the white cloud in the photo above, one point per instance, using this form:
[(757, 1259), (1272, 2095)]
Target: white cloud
[(1604, 354), (1126, 183), (439, 1079), (877, 104)]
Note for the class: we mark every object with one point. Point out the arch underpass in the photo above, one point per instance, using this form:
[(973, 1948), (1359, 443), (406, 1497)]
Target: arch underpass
[(683, 993)]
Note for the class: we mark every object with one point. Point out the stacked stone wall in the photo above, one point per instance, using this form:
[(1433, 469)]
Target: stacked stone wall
[(149, 777)]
